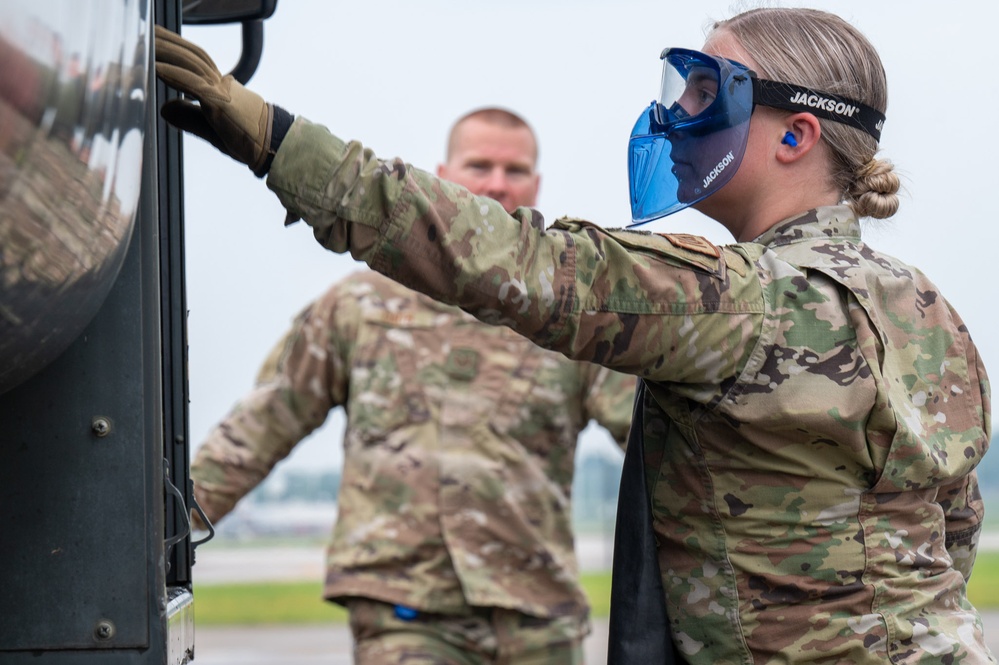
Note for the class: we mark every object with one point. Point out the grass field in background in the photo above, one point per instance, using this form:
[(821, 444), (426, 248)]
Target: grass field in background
[(301, 602)]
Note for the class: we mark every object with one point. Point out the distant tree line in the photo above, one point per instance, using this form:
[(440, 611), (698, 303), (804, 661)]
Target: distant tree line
[(301, 485)]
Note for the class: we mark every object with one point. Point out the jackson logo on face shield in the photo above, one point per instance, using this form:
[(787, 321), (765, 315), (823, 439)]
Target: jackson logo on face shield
[(717, 170)]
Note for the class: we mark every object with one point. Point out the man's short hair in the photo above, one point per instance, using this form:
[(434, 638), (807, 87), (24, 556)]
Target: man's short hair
[(493, 115)]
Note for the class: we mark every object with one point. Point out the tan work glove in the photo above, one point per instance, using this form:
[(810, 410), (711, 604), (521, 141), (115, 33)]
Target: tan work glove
[(233, 119)]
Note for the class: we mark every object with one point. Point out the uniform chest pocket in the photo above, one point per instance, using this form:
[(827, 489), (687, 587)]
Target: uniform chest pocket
[(530, 390), (391, 368), (512, 384)]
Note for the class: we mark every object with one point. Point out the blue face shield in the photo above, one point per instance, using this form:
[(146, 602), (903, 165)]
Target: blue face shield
[(690, 142)]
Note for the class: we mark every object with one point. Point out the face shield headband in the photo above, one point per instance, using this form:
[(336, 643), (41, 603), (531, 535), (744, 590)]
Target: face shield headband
[(690, 142)]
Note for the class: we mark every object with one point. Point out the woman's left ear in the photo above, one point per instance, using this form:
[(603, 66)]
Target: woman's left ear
[(802, 132)]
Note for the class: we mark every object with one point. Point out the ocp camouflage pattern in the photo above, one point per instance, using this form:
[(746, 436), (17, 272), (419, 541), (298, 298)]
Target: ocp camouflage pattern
[(816, 408), (458, 453)]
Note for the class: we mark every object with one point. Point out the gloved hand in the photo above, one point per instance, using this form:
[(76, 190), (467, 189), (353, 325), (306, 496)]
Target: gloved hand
[(234, 119)]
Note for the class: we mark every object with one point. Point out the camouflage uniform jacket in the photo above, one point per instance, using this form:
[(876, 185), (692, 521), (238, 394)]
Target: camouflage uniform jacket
[(817, 409), (458, 452)]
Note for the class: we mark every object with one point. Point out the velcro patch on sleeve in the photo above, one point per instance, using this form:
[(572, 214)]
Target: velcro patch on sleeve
[(693, 243)]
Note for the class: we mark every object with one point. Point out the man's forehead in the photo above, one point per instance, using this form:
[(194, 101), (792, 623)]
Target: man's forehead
[(496, 141)]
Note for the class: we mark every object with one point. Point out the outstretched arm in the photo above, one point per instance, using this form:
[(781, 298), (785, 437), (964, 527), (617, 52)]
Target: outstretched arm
[(302, 379), (627, 300)]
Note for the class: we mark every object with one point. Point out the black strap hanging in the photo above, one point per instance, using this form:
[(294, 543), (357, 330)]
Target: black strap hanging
[(639, 631)]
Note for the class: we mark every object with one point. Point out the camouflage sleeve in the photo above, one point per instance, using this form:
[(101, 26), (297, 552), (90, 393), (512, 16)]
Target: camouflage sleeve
[(961, 501), (302, 379), (963, 512), (626, 300), (610, 400)]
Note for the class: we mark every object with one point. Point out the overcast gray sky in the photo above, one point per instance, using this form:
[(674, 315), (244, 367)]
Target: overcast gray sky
[(395, 74)]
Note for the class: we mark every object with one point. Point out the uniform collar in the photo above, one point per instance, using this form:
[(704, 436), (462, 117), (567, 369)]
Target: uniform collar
[(827, 222)]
